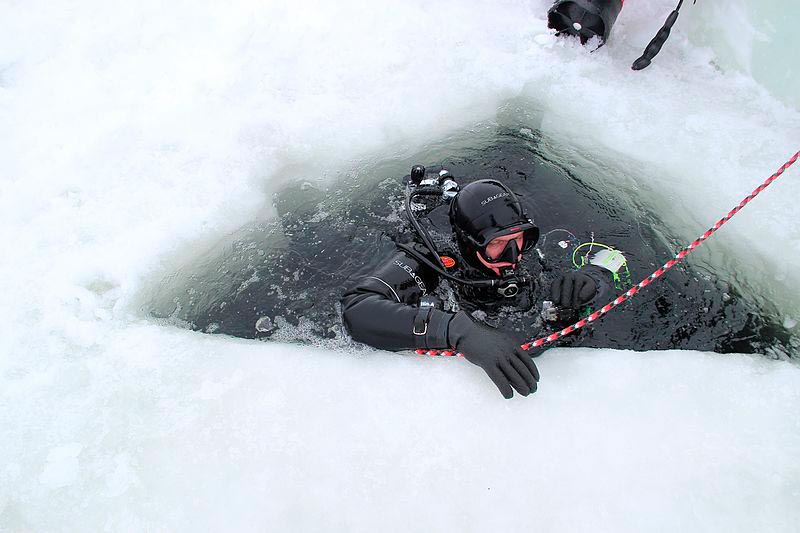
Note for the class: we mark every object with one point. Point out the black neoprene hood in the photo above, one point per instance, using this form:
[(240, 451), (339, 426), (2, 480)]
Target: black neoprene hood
[(486, 209)]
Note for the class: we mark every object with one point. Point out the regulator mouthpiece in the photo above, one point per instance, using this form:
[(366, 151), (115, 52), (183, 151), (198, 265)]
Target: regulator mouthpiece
[(508, 286), (508, 290)]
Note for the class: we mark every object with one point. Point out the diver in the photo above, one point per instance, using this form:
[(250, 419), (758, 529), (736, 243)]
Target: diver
[(419, 298)]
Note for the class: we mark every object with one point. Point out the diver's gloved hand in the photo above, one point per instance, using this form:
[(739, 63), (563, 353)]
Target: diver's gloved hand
[(572, 291), (499, 355)]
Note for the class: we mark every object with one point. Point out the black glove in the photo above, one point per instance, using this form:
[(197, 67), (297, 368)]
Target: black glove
[(572, 291), (499, 355)]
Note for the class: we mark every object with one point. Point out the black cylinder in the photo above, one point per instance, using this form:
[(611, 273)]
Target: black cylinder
[(584, 18), (417, 173)]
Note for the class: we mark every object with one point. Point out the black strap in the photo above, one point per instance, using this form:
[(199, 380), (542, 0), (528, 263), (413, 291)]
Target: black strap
[(420, 331), (658, 41)]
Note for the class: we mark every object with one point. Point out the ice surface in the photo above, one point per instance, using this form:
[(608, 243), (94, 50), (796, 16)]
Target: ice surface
[(129, 131), (162, 428), (752, 38)]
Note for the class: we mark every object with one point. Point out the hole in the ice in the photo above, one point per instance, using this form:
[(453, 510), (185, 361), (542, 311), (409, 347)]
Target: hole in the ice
[(281, 278)]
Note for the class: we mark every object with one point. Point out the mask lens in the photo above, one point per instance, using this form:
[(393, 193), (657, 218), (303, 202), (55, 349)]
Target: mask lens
[(531, 238), (509, 254)]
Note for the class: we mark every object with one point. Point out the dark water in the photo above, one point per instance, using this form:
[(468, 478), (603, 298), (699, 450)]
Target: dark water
[(287, 275)]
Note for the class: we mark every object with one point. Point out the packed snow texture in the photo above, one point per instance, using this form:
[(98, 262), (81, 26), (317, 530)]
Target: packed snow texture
[(134, 132)]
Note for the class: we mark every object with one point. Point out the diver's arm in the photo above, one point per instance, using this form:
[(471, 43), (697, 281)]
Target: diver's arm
[(382, 310)]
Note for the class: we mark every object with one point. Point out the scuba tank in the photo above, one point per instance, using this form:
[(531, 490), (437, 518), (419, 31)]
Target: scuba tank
[(584, 18)]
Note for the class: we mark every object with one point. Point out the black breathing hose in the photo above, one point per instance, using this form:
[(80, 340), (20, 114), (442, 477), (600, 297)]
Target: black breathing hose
[(422, 232), (658, 41), (440, 270)]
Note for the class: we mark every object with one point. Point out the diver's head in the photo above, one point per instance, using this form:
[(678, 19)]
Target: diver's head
[(491, 227)]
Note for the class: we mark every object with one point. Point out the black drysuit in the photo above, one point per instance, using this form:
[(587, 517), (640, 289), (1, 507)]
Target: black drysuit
[(383, 309)]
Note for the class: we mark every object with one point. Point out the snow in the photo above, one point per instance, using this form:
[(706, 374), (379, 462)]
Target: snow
[(132, 134), (212, 433)]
